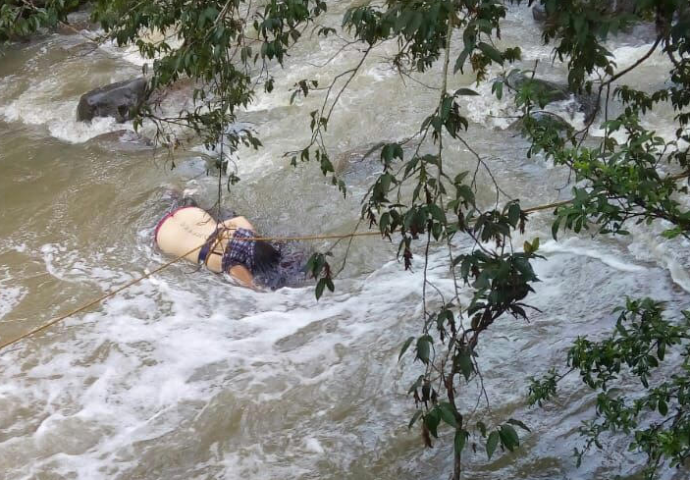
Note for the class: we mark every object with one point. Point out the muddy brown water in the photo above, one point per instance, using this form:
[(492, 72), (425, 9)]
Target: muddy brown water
[(187, 377)]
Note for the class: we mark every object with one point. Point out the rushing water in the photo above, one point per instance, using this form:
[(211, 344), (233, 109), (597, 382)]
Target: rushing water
[(184, 376)]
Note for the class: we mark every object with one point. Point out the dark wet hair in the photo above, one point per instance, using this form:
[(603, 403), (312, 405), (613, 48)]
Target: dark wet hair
[(278, 266), (266, 257)]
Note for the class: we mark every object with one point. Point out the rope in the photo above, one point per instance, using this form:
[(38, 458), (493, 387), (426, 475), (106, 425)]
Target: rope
[(95, 301), (548, 206), (113, 292)]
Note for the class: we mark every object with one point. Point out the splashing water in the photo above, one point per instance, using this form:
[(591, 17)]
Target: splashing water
[(184, 376)]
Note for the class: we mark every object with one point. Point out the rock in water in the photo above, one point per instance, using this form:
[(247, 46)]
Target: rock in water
[(114, 100), (622, 6), (589, 104), (123, 140), (551, 91), (554, 92), (545, 120), (609, 7), (539, 13)]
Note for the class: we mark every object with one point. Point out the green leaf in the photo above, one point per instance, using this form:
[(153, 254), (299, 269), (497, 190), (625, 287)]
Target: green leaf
[(672, 232), (319, 288), (652, 361), (446, 411), (491, 52), (417, 383), (554, 228), (460, 62), (527, 247), (414, 25), (437, 213), (509, 437), (405, 346), (424, 348), (432, 419), (661, 350), (465, 364), (492, 443), (663, 408), (514, 214), (465, 91), (460, 440), (414, 418), (497, 89), (518, 423)]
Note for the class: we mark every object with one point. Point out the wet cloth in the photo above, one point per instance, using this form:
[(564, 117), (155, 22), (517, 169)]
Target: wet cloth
[(186, 227), (240, 251)]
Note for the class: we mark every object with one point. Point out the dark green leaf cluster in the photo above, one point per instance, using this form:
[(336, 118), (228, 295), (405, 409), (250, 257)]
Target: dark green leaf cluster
[(319, 268), (217, 53), (421, 29), (21, 18), (623, 180), (280, 22), (420, 26), (219, 46), (657, 417)]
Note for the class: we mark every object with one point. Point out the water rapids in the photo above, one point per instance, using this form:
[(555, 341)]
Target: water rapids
[(186, 377)]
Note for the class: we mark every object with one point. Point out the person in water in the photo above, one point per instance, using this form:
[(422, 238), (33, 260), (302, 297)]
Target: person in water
[(224, 247)]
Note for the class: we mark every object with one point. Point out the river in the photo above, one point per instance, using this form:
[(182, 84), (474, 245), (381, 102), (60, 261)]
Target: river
[(184, 376)]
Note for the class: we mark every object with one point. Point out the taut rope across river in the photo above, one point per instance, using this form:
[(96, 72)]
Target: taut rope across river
[(115, 291)]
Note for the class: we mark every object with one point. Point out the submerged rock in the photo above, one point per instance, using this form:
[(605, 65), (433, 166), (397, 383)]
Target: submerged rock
[(539, 13), (115, 100), (611, 7), (622, 6), (76, 22), (588, 104), (359, 158), (545, 119), (554, 92), (123, 140)]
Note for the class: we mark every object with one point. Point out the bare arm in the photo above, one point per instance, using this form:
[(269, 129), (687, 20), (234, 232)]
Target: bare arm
[(242, 275)]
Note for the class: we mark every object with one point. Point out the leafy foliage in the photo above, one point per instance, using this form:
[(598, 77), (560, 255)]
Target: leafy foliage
[(230, 48), (21, 18), (217, 51), (658, 419)]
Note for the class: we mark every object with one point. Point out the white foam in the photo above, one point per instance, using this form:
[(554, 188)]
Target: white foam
[(486, 109), (130, 53), (577, 246), (10, 296), (150, 360), (649, 245), (626, 55), (36, 106), (232, 383), (313, 445), (155, 360)]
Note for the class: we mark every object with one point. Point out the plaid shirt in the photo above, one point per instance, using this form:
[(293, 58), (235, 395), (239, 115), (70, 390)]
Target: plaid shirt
[(240, 252)]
